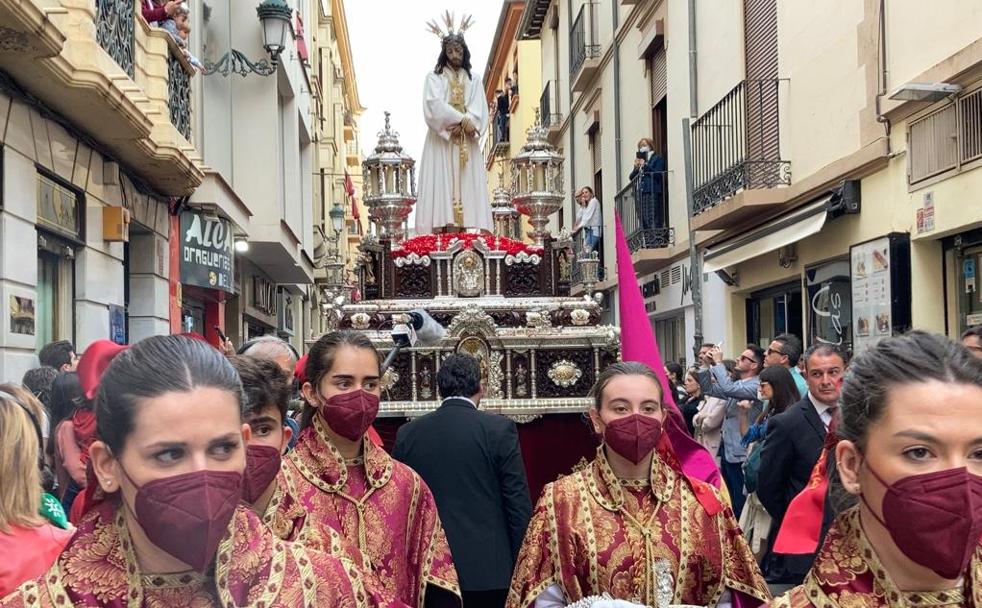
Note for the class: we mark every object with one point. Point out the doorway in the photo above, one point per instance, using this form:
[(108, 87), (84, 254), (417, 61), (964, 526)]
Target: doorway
[(774, 311)]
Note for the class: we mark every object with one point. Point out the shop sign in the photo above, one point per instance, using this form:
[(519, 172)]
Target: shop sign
[(830, 304), (880, 277), (263, 296), (207, 256), (58, 208)]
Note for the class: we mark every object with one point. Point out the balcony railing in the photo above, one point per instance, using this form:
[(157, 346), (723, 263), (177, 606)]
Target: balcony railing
[(549, 114), (643, 208), (179, 94), (736, 144), (582, 39), (115, 29)]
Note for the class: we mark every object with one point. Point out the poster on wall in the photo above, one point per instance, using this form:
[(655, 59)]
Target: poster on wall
[(207, 256), (117, 324), (880, 291), (21, 315)]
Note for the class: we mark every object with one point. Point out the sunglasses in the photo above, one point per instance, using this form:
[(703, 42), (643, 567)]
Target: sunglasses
[(775, 351)]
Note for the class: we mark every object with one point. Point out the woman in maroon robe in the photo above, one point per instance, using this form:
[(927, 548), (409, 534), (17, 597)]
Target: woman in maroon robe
[(344, 494), (166, 527), (907, 484), (631, 526)]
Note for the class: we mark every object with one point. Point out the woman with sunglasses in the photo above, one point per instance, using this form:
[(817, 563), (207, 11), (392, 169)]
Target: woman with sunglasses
[(907, 483), (166, 526)]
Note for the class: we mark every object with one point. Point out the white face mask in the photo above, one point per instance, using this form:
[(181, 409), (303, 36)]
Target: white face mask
[(644, 149)]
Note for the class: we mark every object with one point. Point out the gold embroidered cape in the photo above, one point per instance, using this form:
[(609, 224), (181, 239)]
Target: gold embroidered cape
[(848, 574), (379, 514), (252, 568), (651, 544)]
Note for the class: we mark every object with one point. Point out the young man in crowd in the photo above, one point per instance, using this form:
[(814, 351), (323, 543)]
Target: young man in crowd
[(59, 355), (267, 394)]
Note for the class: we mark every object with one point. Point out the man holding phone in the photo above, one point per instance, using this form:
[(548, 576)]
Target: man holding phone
[(715, 382)]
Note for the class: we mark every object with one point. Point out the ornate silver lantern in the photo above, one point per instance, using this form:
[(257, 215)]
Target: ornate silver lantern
[(390, 184), (504, 213), (537, 181)]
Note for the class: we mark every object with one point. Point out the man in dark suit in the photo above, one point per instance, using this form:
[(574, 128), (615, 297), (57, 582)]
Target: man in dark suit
[(473, 465), (793, 445)]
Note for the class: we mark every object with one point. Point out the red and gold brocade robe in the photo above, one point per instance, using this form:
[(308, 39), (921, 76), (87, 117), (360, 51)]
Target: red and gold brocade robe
[(848, 574), (383, 514), (650, 542), (98, 569)]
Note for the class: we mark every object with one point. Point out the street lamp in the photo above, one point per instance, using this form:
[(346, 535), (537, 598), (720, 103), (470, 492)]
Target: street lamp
[(337, 219), (275, 17)]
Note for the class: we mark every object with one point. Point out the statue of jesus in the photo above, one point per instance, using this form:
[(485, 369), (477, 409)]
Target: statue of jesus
[(452, 177)]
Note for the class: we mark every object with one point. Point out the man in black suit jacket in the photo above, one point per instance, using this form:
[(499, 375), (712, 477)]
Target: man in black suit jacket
[(793, 445), (473, 465)]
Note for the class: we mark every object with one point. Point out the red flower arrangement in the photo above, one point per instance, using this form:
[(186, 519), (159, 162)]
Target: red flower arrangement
[(428, 243)]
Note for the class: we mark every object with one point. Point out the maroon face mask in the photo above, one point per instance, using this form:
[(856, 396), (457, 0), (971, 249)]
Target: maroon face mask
[(350, 414), (187, 515), (935, 519), (262, 466), (633, 437)]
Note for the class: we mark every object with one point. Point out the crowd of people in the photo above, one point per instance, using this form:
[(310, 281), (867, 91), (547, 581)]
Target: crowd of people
[(174, 482)]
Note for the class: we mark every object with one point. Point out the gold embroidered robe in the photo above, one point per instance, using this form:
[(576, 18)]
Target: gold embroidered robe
[(252, 568), (847, 574), (651, 544), (378, 513)]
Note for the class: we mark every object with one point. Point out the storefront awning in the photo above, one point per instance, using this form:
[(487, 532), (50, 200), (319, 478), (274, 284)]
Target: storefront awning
[(773, 235)]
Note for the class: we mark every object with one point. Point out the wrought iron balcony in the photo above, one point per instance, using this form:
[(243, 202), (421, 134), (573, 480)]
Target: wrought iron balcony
[(582, 39), (736, 144), (179, 94), (643, 208), (115, 29), (549, 114)]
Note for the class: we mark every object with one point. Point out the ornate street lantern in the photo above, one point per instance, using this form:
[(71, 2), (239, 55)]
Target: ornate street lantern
[(275, 16), (390, 184), (537, 181)]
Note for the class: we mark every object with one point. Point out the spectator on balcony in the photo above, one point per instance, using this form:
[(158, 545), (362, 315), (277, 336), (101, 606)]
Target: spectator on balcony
[(502, 114), (154, 11), (588, 219), (649, 187)]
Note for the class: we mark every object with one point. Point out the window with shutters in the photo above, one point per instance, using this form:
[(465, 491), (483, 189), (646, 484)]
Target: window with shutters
[(657, 71), (947, 139)]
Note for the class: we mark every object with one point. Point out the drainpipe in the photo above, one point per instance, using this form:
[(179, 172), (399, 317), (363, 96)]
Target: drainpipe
[(693, 85), (695, 261), (882, 61), (617, 99), (572, 119)]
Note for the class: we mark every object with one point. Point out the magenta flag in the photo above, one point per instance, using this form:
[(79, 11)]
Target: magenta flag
[(638, 344)]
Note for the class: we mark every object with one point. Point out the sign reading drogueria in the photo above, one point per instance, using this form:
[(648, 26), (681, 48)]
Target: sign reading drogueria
[(207, 256)]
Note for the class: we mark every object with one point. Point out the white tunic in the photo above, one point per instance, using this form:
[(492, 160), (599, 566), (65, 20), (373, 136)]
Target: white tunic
[(440, 176)]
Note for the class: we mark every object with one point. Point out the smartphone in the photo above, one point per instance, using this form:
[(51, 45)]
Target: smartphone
[(221, 335)]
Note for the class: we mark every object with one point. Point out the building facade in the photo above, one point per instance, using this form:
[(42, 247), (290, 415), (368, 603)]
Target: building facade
[(832, 161), (606, 68), (844, 209), (521, 61), (142, 196), (257, 140), (96, 148), (341, 219)]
